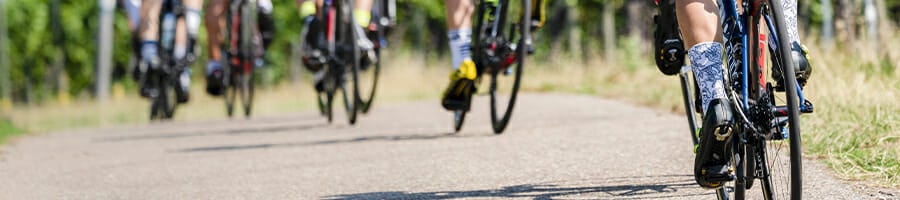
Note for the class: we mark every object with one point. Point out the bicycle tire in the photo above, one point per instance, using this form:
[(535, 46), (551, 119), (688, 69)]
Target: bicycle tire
[(459, 117), (248, 55), (365, 104), (499, 123), (793, 108), (348, 39)]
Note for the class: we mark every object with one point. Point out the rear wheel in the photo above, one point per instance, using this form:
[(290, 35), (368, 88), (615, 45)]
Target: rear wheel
[(775, 151), (368, 81), (247, 92), (519, 38), (348, 76), (230, 91)]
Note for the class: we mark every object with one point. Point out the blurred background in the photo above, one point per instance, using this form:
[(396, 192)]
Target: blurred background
[(50, 45), (50, 80)]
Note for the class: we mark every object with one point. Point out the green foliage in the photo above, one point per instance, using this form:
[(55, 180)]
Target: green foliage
[(32, 49)]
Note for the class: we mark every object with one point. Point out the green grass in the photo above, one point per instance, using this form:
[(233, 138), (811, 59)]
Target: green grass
[(8, 130)]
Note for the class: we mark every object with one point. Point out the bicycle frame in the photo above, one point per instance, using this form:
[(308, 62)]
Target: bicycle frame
[(239, 52), (735, 26)]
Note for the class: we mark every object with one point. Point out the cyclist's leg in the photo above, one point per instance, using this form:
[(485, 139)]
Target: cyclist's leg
[(459, 24), (149, 29), (215, 23), (266, 21), (362, 14), (798, 50), (185, 41), (699, 21), (148, 33), (133, 10)]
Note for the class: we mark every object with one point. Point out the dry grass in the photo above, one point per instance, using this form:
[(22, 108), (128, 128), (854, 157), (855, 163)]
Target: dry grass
[(415, 82), (856, 126)]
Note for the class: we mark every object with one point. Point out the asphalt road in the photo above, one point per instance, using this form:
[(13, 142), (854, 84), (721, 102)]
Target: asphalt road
[(557, 147)]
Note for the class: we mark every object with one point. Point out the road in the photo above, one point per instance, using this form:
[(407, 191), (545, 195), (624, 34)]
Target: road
[(558, 146)]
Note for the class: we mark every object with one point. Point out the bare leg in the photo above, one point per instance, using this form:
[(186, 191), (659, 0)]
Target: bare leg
[(459, 24), (699, 21), (215, 20), (149, 27)]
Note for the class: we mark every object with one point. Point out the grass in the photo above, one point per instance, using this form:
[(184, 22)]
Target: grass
[(855, 130), (125, 107), (8, 130)]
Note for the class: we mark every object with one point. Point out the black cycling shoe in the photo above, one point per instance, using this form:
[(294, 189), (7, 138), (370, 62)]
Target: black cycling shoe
[(802, 68), (312, 57), (711, 164), (145, 67), (215, 82), (668, 45), (459, 95)]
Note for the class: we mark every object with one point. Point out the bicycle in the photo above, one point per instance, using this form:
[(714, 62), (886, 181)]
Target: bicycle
[(242, 49), (499, 54), (767, 119), (384, 18), (341, 58), (164, 80)]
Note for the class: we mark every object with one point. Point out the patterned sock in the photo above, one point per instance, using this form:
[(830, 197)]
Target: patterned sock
[(790, 17), (460, 41), (706, 60)]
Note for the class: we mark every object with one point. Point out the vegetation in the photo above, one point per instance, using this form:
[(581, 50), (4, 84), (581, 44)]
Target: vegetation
[(7, 130)]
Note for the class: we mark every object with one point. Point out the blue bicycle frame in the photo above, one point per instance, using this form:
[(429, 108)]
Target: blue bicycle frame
[(734, 26)]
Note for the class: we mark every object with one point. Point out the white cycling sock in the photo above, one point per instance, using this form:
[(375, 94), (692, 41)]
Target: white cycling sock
[(180, 51), (790, 18), (192, 20), (460, 45), (706, 61)]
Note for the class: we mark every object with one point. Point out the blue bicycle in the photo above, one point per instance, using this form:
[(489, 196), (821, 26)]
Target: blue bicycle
[(766, 142)]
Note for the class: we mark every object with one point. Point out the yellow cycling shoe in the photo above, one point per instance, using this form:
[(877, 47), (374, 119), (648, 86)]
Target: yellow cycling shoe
[(462, 85)]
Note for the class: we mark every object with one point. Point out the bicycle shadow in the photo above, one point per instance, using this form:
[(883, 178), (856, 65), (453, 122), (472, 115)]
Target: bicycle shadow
[(176, 133), (328, 142), (647, 187)]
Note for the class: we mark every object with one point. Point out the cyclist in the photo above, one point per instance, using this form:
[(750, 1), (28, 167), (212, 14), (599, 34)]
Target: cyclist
[(215, 19), (313, 57), (133, 11), (699, 21), (149, 36), (459, 26)]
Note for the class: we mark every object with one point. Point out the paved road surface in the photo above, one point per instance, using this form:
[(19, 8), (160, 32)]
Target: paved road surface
[(558, 146)]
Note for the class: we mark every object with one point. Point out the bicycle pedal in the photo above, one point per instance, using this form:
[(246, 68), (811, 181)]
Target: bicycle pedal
[(807, 107)]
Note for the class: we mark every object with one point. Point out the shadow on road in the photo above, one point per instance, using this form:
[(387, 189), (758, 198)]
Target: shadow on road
[(327, 142), (233, 131), (643, 187)]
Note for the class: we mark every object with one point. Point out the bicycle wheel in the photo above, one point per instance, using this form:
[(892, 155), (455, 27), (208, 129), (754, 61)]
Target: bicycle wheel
[(230, 92), (459, 117), (248, 55), (349, 68), (508, 72), (368, 79), (247, 92), (778, 150)]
